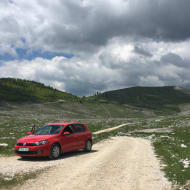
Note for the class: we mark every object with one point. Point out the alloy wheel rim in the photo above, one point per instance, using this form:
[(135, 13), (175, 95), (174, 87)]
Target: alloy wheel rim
[(55, 152), (88, 146)]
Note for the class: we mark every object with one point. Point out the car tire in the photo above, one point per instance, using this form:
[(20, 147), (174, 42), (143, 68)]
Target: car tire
[(55, 152), (88, 146)]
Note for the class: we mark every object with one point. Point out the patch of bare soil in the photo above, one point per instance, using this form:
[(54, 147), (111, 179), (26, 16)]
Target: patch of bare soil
[(156, 130)]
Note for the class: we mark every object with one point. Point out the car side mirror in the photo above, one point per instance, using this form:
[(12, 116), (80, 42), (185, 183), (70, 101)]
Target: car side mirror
[(29, 133), (66, 133)]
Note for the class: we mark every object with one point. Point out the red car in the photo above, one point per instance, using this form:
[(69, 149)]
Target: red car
[(53, 139)]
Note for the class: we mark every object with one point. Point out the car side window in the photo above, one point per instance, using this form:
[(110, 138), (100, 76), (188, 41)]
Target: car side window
[(68, 129), (79, 128)]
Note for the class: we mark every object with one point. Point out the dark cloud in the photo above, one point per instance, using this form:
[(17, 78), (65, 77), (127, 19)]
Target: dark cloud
[(83, 26), (141, 51), (175, 59), (94, 25)]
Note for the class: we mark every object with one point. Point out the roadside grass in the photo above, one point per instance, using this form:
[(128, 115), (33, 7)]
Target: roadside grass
[(174, 152), (13, 128), (172, 149), (7, 182), (11, 131), (17, 119), (18, 128)]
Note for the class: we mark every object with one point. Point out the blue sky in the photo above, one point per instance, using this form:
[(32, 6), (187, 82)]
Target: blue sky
[(30, 55)]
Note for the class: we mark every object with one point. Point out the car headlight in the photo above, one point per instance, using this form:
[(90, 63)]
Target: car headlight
[(41, 142)]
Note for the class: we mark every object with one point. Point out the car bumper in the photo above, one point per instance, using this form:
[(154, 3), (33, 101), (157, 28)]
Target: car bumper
[(33, 151)]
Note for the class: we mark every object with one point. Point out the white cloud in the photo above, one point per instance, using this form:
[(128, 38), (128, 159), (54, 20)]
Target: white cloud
[(112, 67), (150, 81)]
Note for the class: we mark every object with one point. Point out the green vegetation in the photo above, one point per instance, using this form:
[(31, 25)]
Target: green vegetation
[(10, 131), (163, 100), (172, 148), (24, 103), (20, 91), (6, 182), (16, 120)]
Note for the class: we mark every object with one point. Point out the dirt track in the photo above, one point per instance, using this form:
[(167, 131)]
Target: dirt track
[(122, 163), (109, 129)]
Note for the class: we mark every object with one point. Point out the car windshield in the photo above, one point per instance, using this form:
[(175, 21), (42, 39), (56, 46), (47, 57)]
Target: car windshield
[(48, 130)]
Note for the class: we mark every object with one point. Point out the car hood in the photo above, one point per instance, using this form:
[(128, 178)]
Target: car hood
[(34, 138)]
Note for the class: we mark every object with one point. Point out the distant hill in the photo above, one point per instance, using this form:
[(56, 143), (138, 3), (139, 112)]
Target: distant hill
[(156, 98), (161, 100), (18, 90)]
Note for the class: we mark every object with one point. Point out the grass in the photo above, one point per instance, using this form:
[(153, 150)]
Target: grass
[(170, 149), (7, 182), (18, 128), (18, 90), (99, 112), (173, 149), (16, 121), (163, 100), (14, 128)]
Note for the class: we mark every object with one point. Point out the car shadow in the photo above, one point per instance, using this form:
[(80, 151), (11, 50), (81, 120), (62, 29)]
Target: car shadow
[(63, 156)]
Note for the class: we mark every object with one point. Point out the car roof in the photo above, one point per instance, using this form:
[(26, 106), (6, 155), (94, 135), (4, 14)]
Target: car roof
[(65, 124)]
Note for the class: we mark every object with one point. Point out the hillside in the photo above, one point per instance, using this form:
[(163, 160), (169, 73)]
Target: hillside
[(160, 99), (18, 90), (22, 96), (156, 98)]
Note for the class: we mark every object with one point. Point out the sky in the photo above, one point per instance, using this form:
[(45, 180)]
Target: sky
[(85, 46)]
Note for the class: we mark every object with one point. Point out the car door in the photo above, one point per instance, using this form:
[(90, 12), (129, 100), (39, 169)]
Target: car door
[(80, 132), (68, 142)]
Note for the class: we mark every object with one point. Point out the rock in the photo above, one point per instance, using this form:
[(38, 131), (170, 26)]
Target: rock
[(3, 145)]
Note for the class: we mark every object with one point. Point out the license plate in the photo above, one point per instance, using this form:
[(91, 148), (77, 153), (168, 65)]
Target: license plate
[(23, 149)]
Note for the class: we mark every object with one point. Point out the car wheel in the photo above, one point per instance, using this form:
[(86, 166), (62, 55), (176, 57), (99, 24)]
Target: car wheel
[(55, 151), (88, 146)]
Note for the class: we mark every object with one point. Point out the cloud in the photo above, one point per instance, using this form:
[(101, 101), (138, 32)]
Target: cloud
[(113, 44), (141, 51), (176, 60), (109, 69), (84, 26)]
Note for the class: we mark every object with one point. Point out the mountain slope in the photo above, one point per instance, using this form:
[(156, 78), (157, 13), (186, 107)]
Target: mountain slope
[(149, 97), (18, 90)]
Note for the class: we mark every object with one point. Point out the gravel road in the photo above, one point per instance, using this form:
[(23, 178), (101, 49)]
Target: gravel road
[(120, 163)]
